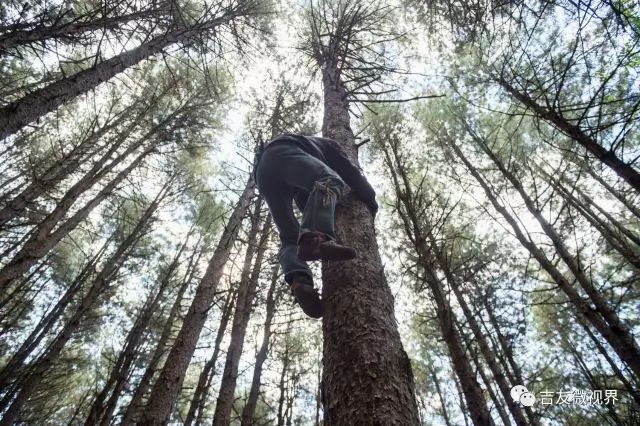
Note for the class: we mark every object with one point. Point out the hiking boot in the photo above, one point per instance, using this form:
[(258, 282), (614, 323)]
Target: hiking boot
[(307, 296), (316, 245), (309, 245), (330, 250)]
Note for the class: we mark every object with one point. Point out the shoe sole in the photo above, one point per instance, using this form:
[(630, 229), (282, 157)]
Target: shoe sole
[(309, 302)]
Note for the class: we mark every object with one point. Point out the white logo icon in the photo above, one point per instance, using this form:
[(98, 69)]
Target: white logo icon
[(522, 395)]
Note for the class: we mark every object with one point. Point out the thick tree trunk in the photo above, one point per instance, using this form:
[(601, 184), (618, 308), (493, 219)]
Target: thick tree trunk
[(622, 169), (165, 391), (246, 293), (252, 401), (619, 340), (98, 286), (367, 374), (196, 408), (20, 113)]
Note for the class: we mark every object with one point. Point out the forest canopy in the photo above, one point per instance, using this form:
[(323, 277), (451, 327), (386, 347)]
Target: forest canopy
[(498, 283)]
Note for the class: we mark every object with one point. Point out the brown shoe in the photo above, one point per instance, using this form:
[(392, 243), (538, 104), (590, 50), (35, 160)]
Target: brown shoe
[(330, 250), (309, 245), (316, 245), (307, 296)]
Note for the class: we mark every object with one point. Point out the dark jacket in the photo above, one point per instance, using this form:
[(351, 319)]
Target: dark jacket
[(329, 152)]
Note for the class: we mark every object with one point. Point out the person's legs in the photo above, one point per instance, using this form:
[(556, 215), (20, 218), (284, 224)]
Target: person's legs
[(279, 198), (310, 175)]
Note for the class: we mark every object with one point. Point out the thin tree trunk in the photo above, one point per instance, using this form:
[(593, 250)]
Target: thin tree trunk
[(488, 355), (584, 204), (250, 406), (446, 319), (165, 391), (618, 339), (70, 30), (246, 293), (318, 422), (510, 366), (635, 393), (98, 286), (63, 168), (145, 382), (283, 377), (628, 204), (463, 406), (14, 365), (42, 241), (593, 382), (104, 403), (617, 242), (363, 353), (20, 113), (622, 169), (487, 383), (443, 402), (196, 408), (604, 308)]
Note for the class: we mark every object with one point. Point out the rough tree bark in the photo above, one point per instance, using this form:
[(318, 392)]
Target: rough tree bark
[(367, 374), (165, 391)]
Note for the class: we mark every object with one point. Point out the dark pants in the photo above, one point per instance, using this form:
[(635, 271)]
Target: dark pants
[(286, 172)]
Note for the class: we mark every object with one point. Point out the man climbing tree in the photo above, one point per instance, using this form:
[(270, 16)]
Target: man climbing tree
[(367, 376), (312, 171)]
